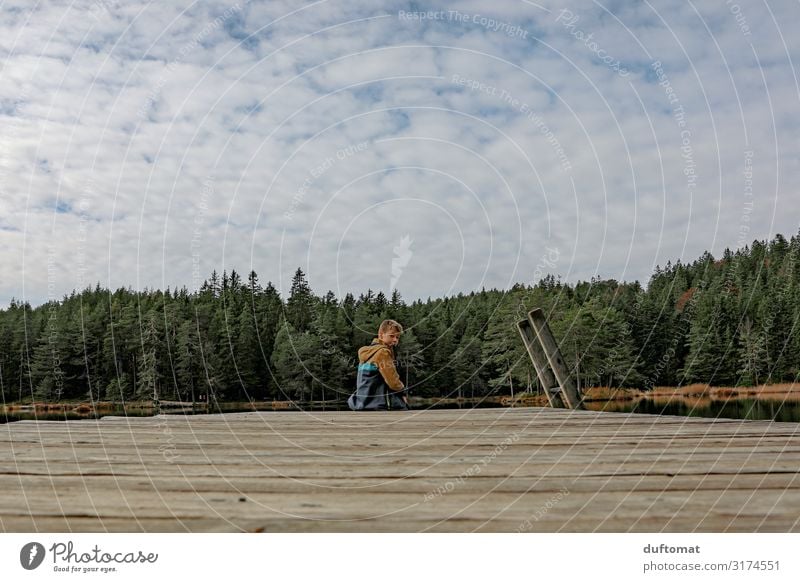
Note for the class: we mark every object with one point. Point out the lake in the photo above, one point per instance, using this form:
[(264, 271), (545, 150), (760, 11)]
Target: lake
[(782, 410), (778, 409)]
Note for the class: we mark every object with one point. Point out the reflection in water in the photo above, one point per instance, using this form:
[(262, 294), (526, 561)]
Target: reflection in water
[(106, 410), (738, 408), (220, 408), (735, 408), (70, 415)]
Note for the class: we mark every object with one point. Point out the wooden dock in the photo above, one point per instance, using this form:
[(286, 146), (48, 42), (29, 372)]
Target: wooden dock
[(519, 469)]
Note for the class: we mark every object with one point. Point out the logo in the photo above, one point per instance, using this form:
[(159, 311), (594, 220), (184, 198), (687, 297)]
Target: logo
[(402, 256), (31, 556)]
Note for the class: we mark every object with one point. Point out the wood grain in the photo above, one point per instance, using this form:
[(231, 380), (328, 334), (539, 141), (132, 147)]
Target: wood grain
[(518, 469)]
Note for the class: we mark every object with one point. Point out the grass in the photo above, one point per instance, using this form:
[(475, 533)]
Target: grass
[(760, 392), (600, 393)]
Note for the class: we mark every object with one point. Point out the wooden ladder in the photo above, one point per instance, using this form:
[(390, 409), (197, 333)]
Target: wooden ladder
[(546, 357)]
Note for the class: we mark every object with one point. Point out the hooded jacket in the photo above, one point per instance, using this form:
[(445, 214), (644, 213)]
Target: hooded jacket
[(378, 385)]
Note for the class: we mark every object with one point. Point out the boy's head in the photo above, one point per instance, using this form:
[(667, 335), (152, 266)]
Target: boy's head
[(389, 332)]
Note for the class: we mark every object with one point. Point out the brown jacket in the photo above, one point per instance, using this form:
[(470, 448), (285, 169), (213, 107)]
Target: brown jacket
[(383, 356)]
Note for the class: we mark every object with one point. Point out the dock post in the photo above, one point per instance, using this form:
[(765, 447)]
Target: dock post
[(546, 378), (568, 390)]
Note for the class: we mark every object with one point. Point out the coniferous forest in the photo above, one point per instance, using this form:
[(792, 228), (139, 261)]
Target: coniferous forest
[(728, 321)]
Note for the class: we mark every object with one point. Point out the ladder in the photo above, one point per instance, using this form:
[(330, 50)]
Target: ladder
[(546, 357)]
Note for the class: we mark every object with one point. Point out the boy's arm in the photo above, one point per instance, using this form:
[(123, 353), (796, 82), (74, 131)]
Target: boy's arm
[(386, 367)]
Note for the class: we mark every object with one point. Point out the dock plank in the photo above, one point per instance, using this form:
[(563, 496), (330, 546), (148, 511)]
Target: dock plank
[(520, 469)]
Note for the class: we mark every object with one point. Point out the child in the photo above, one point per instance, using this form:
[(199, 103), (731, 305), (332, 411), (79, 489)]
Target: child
[(379, 386)]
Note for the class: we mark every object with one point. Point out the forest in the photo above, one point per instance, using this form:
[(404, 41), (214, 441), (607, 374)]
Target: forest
[(727, 321)]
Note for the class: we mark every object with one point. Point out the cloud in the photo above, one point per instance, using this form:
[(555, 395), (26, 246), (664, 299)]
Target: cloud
[(143, 141)]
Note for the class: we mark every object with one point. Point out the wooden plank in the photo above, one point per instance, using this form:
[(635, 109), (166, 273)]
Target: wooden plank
[(456, 470), (569, 391), (546, 378)]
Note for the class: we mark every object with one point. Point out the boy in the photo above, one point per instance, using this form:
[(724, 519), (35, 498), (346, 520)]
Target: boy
[(379, 386)]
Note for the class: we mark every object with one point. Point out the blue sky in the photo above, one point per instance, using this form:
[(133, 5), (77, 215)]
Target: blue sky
[(146, 144)]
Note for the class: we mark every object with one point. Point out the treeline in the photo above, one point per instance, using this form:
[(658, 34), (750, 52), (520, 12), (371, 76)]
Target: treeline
[(726, 321)]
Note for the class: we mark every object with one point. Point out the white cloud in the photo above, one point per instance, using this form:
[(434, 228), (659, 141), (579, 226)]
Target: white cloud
[(116, 115)]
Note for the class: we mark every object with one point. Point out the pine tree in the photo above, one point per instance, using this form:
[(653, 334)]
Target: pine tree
[(752, 352), (733, 320), (409, 358), (299, 307), (381, 305), (249, 362), (253, 285), (502, 350), (397, 309), (468, 368), (712, 338), (188, 363), (297, 363), (148, 381)]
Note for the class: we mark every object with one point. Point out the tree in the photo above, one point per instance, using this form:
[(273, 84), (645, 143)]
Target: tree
[(502, 350), (249, 361), (149, 376), (118, 389), (468, 366), (299, 307), (397, 309), (297, 364), (409, 358), (732, 320), (188, 362), (711, 339), (752, 354)]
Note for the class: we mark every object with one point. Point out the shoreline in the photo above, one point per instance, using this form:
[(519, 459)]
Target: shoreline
[(592, 394)]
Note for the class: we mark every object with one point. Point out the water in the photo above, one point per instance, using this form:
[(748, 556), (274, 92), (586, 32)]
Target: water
[(70, 415), (739, 408), (220, 409), (778, 409)]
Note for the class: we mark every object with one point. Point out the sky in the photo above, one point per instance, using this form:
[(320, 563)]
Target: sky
[(433, 148)]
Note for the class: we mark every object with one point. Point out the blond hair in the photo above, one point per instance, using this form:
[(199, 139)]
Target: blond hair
[(389, 325)]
